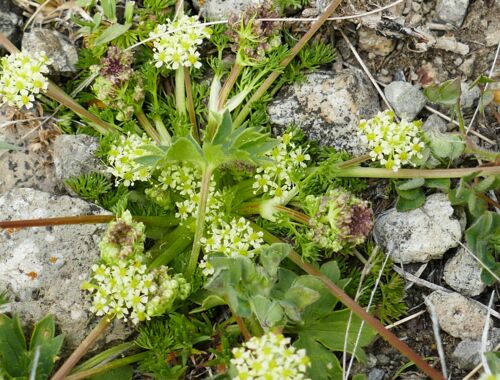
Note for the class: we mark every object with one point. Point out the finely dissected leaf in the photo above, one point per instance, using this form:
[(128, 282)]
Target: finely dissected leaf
[(13, 355), (483, 240), (446, 93), (112, 32)]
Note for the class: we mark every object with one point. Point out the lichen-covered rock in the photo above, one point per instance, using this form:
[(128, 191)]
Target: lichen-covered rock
[(457, 315), (215, 10), (406, 99), (452, 11), (58, 48), (327, 106), (74, 155), (463, 273), (25, 167), (419, 235), (42, 268), (434, 124)]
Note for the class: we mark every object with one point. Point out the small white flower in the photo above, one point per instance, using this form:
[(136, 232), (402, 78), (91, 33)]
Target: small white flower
[(392, 144), (269, 357), (23, 77), (176, 42)]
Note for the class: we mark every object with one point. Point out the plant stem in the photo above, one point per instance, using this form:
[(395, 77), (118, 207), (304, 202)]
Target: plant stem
[(357, 309), (82, 349), (190, 106), (355, 161), (200, 223), (228, 85), (295, 50), (417, 173), (108, 366), (171, 245), (146, 125), (254, 208), (159, 221), (106, 355), (165, 138), (244, 331), (180, 94)]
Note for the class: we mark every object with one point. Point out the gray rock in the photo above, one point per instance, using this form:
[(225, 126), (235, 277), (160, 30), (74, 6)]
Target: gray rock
[(74, 155), (215, 10), (434, 124), (457, 315), (468, 95), (42, 268), (450, 43), (376, 374), (406, 99), (328, 107), (419, 235), (467, 66), (374, 43), (467, 354), (9, 24), (57, 47), (27, 167), (463, 273), (452, 11)]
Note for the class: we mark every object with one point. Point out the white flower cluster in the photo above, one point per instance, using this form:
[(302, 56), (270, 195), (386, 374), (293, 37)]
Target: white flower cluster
[(276, 178), (121, 158), (186, 181), (393, 144), (269, 357), (129, 290), (23, 77), (177, 42), (233, 239)]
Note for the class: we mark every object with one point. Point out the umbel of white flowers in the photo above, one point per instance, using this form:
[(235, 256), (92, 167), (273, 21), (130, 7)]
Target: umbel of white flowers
[(22, 78), (393, 144), (269, 357), (177, 41)]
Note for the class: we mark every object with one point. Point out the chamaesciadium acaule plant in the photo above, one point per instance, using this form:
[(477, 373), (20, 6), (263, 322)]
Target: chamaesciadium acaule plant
[(228, 247)]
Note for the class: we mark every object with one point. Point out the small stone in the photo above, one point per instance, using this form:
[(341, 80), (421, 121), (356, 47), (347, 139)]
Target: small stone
[(451, 44), (74, 155), (9, 24), (457, 315), (467, 66), (463, 273), (376, 374), (415, 19), (434, 124), (467, 354), (469, 95), (458, 61), (58, 48), (492, 34), (452, 11), (383, 359), (327, 106), (373, 43), (406, 99), (214, 10), (416, 6), (419, 235), (42, 268)]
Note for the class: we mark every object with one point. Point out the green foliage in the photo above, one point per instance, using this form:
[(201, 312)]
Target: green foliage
[(446, 93), (323, 331), (470, 192), (483, 239), (90, 186), (290, 4), (170, 342), (19, 361)]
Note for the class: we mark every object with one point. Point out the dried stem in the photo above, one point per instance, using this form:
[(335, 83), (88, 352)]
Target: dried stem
[(82, 349)]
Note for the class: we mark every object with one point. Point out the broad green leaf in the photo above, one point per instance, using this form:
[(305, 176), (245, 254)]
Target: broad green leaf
[(13, 356), (109, 9), (488, 183), (224, 130), (324, 364), (411, 184), (186, 149), (482, 79), (209, 302), (476, 205), (150, 161), (404, 204), (446, 93), (269, 313), (411, 194), (442, 184), (493, 360), (271, 256), (6, 146), (112, 32), (301, 295)]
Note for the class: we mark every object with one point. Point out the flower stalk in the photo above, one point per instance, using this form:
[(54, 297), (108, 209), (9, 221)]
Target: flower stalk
[(108, 366), (417, 173)]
